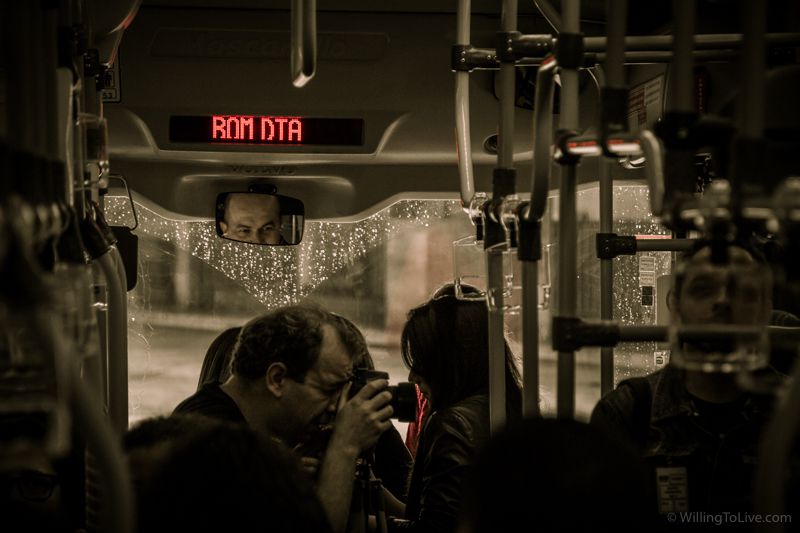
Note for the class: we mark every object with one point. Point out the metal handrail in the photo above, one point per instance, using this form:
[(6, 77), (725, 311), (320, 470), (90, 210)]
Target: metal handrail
[(550, 14), (101, 440), (463, 143), (117, 341), (718, 41), (542, 138), (303, 57), (568, 232)]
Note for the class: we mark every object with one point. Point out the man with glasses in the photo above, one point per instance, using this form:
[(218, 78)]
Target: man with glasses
[(291, 375)]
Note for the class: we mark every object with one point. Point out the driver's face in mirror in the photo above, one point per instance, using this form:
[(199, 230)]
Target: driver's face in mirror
[(254, 218)]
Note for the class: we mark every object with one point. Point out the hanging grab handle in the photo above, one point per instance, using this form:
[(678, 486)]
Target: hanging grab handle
[(304, 41), (463, 146), (543, 137)]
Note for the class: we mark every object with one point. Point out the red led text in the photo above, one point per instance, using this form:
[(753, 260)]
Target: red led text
[(255, 129)]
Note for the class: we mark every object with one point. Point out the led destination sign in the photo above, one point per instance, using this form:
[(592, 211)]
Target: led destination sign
[(266, 130)]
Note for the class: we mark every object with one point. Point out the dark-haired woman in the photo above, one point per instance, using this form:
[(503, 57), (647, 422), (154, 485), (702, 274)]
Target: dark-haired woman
[(445, 346)]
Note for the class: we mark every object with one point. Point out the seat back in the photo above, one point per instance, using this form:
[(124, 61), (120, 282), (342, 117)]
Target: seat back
[(217, 363)]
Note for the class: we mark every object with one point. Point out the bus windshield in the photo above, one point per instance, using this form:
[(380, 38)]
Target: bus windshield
[(192, 285)]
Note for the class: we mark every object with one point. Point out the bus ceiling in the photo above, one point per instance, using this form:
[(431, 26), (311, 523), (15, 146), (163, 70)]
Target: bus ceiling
[(200, 101)]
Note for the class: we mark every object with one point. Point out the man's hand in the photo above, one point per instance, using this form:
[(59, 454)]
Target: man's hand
[(359, 423), (361, 420)]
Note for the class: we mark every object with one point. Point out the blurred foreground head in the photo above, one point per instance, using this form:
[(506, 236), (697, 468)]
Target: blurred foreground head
[(203, 475), (550, 475)]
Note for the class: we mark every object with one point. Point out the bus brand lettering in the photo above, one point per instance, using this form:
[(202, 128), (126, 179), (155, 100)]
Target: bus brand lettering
[(256, 129)]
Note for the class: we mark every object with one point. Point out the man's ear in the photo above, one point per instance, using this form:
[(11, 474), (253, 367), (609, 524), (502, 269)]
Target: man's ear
[(276, 378)]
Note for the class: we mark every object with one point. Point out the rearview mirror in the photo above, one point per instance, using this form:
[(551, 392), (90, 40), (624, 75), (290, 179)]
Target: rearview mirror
[(259, 218)]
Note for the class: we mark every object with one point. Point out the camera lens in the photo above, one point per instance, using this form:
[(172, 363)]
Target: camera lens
[(404, 395), (404, 402)]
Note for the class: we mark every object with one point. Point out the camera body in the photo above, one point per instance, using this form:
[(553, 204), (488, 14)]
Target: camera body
[(404, 395)]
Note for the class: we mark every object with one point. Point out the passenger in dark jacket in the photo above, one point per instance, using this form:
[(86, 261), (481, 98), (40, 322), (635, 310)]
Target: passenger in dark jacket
[(445, 343), (695, 426)]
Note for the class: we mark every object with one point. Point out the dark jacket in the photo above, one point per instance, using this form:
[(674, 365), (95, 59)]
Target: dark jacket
[(211, 401), (447, 446), (716, 446)]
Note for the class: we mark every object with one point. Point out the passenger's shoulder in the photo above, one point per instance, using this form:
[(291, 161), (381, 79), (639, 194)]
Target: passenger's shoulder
[(468, 418), (213, 402), (621, 403), (201, 396)]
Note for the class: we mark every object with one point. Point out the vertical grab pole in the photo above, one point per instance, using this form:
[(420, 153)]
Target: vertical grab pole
[(503, 185), (780, 436), (614, 101), (39, 119), (530, 338), (752, 101), (567, 275), (749, 145), (505, 145), (18, 61), (50, 82), (104, 443), (497, 352), (679, 118), (568, 231), (606, 275), (117, 345), (463, 146), (530, 248), (121, 361), (682, 61)]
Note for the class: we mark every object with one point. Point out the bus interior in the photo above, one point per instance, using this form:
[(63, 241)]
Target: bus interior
[(558, 155)]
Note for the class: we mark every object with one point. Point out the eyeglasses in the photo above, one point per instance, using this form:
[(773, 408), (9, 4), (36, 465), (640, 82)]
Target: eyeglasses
[(31, 485)]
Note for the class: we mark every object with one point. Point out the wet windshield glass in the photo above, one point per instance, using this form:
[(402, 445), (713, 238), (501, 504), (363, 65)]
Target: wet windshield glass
[(192, 285)]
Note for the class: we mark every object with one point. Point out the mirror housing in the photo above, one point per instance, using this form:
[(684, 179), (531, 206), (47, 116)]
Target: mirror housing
[(260, 218)]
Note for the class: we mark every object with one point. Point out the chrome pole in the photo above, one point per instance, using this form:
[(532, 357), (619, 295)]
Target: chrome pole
[(568, 231)]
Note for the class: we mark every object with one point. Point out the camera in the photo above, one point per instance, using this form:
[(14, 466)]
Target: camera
[(404, 395)]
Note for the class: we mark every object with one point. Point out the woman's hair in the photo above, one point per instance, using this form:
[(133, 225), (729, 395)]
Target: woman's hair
[(217, 362), (446, 341)]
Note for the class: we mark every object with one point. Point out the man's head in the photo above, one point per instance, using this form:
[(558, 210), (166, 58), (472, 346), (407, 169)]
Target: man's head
[(355, 343), (538, 468), (148, 443), (737, 292), (295, 358), (252, 218), (733, 290)]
